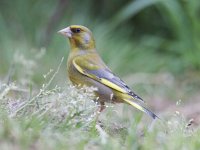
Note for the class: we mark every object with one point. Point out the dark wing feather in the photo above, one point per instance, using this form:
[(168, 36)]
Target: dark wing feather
[(103, 75), (108, 75)]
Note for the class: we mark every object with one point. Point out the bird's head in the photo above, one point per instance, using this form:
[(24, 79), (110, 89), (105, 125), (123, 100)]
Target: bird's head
[(79, 36)]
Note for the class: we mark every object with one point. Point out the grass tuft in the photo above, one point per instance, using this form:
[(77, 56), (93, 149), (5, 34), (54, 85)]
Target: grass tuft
[(60, 117)]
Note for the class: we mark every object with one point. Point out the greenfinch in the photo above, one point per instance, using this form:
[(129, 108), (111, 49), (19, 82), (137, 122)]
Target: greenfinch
[(85, 67)]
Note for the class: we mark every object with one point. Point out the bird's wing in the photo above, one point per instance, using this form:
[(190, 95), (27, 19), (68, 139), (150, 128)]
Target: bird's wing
[(97, 70)]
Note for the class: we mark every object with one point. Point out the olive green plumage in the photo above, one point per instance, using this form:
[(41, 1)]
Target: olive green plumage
[(85, 67)]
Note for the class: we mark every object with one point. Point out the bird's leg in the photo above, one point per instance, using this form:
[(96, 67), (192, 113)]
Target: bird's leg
[(99, 125), (100, 109)]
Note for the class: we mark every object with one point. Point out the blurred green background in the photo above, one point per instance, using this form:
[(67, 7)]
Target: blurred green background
[(153, 45), (148, 36)]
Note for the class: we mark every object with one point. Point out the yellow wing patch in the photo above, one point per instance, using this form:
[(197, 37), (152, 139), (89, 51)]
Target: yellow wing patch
[(102, 80), (112, 85), (78, 67)]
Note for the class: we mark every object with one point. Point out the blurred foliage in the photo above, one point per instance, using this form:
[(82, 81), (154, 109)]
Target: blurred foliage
[(145, 35), (64, 117), (153, 37)]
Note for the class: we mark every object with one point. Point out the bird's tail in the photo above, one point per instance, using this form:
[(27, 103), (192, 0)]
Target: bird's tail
[(141, 108)]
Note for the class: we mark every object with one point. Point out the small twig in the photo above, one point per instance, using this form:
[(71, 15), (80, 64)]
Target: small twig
[(10, 73), (41, 91), (53, 76)]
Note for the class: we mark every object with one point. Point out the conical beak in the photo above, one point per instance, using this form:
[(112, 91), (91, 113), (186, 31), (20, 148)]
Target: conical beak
[(66, 32)]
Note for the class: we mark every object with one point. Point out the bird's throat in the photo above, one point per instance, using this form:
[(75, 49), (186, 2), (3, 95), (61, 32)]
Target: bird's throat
[(76, 45)]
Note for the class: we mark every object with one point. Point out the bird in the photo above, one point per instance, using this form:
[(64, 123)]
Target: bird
[(86, 68)]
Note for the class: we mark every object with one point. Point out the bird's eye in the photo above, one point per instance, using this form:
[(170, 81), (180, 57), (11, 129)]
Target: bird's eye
[(76, 30)]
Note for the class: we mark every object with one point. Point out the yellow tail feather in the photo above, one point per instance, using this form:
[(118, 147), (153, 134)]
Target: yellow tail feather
[(141, 108)]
